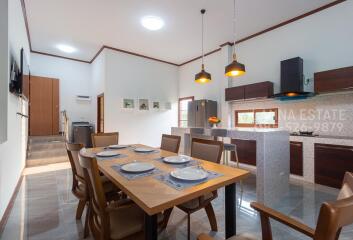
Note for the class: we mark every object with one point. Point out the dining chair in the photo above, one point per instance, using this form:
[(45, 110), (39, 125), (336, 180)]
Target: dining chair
[(104, 139), (333, 216), (109, 220), (170, 143), (208, 150), (79, 188)]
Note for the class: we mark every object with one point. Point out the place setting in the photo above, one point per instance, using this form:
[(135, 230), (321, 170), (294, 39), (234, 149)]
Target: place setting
[(182, 178), (109, 155), (136, 169), (179, 161), (144, 150)]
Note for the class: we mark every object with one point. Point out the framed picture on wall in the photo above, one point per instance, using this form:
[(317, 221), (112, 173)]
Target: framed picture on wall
[(168, 105), (156, 105), (128, 103), (143, 104)]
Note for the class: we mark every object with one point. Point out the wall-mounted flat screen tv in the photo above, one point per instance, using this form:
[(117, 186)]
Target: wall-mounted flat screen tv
[(20, 76)]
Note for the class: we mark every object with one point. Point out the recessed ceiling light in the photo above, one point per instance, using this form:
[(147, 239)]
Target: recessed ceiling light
[(66, 48), (152, 23)]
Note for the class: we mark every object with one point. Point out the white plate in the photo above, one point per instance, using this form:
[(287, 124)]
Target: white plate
[(143, 150), (118, 146), (137, 167), (177, 159), (189, 174), (107, 154)]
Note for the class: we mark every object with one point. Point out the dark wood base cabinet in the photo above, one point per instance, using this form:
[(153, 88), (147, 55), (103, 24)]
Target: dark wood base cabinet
[(296, 158), (246, 151), (331, 162)]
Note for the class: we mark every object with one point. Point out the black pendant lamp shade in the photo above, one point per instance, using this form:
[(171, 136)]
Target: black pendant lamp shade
[(235, 68), (203, 76)]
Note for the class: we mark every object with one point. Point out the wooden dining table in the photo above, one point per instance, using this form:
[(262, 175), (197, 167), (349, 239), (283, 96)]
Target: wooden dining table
[(154, 196)]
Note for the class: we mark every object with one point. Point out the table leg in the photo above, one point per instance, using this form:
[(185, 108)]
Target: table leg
[(151, 227), (230, 210)]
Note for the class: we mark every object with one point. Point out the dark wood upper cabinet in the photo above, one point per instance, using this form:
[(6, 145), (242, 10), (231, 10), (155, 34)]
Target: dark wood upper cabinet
[(246, 151), (334, 80), (259, 90), (296, 158), (331, 163), (250, 91), (235, 93)]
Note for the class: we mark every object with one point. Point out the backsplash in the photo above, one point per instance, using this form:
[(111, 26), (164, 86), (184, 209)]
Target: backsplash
[(330, 114)]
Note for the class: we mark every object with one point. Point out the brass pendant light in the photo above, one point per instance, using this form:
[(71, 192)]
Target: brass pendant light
[(236, 68), (203, 76)]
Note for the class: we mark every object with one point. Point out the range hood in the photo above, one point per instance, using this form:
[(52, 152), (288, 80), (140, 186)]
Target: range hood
[(292, 81)]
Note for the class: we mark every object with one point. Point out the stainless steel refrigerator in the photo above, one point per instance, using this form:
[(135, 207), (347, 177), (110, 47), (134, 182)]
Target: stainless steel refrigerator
[(199, 111)]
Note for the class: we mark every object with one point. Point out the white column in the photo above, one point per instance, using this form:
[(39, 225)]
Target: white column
[(225, 109)]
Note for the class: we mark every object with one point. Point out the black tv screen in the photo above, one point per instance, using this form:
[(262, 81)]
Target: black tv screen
[(20, 76)]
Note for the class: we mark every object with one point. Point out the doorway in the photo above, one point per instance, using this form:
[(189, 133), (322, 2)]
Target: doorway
[(43, 106), (100, 113)]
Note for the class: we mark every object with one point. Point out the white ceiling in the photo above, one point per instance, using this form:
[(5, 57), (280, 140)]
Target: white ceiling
[(89, 24)]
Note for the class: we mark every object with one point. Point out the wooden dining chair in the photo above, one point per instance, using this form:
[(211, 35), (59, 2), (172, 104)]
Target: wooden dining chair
[(109, 220), (333, 217), (208, 150), (170, 143), (79, 188), (104, 139)]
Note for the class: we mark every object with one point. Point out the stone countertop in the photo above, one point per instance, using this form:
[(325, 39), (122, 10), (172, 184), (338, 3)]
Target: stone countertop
[(325, 136)]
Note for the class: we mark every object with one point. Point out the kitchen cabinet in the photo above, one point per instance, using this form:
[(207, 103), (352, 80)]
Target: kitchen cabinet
[(259, 90), (246, 151), (331, 162), (296, 158), (235, 93), (334, 80), (250, 91)]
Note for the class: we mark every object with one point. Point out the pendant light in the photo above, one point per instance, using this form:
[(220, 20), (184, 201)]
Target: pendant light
[(236, 68), (203, 76)]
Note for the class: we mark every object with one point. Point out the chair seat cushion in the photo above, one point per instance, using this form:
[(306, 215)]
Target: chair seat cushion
[(126, 221), (195, 203)]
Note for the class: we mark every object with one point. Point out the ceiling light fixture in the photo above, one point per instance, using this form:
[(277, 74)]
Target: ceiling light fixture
[(203, 76), (66, 48), (236, 68), (152, 23)]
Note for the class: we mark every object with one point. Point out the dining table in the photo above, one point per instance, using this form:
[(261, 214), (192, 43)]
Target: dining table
[(154, 196)]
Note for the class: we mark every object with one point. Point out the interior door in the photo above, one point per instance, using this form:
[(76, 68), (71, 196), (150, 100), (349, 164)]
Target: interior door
[(44, 106), (100, 113)]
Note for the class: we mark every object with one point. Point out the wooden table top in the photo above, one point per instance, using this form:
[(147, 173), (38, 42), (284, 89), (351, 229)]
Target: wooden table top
[(154, 196)]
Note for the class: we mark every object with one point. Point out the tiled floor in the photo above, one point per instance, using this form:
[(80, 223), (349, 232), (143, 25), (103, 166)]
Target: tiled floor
[(45, 209)]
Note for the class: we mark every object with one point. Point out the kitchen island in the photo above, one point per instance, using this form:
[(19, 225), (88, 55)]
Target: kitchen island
[(272, 155)]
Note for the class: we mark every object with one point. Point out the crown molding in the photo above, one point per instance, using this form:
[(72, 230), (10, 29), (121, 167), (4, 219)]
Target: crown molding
[(175, 64)]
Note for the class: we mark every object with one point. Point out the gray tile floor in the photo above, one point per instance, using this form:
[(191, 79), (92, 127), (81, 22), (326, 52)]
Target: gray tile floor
[(45, 209)]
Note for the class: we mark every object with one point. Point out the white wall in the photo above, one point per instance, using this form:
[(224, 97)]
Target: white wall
[(75, 79), (129, 76), (4, 65), (187, 85), (13, 151), (98, 80), (323, 40)]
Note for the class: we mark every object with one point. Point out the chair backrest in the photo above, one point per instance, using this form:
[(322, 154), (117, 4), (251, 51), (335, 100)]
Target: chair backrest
[(73, 150), (170, 143), (104, 139), (99, 219), (335, 215), (208, 150)]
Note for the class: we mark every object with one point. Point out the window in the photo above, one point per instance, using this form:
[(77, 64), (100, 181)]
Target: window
[(183, 111), (257, 118)]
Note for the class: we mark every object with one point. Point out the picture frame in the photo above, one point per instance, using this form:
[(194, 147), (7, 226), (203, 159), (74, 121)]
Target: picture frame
[(143, 104), (128, 103), (156, 105)]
